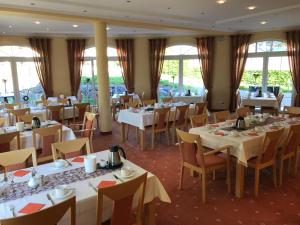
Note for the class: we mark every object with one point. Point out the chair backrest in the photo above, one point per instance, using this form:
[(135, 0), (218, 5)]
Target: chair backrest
[(242, 112), (125, 99), (70, 149), (198, 120), (181, 115), (293, 139), (200, 108), (17, 159), (11, 105), (88, 124), (279, 99), (82, 108), (238, 98), (167, 99), (221, 116), (2, 121), (291, 111), (49, 135), (48, 216), (149, 102), (53, 112), (16, 113), (191, 149), (6, 138), (122, 196), (270, 146), (161, 118), (27, 118), (133, 104), (63, 101)]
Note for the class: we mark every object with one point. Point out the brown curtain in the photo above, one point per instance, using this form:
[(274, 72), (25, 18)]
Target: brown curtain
[(238, 56), (76, 49), (206, 48), (42, 58), (157, 49), (293, 44), (125, 50)]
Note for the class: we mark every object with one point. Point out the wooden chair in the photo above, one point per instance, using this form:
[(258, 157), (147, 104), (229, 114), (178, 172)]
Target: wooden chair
[(49, 135), (7, 138), (198, 120), (242, 112), (14, 114), (160, 123), (125, 99), (149, 102), (70, 149), (289, 152), (133, 104), (48, 216), (200, 108), (27, 118), (63, 101), (2, 121), (279, 100), (267, 157), (221, 116), (53, 112), (81, 108), (291, 111), (11, 105), (167, 100), (180, 119), (122, 196), (18, 159), (194, 158)]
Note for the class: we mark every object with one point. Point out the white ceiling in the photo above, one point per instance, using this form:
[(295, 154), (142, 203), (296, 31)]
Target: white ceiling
[(233, 16)]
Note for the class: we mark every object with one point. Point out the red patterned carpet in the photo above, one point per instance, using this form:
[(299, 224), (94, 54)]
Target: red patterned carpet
[(280, 206)]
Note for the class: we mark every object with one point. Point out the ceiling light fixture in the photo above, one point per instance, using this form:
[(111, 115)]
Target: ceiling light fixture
[(251, 7), (107, 28), (32, 3), (169, 8), (128, 1), (37, 22), (85, 11), (263, 22), (10, 26), (3, 32), (220, 2), (47, 29), (75, 25)]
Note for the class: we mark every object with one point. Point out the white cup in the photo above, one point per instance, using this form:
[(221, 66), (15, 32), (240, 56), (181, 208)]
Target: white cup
[(208, 126), (60, 191), (125, 171), (258, 129), (20, 126), (59, 163), (90, 163)]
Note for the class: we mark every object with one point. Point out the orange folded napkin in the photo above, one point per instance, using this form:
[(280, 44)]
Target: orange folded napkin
[(78, 159), (219, 133), (106, 183), (21, 173), (31, 208), (252, 134)]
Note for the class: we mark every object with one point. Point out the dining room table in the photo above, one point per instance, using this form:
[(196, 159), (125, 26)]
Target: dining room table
[(244, 144), (142, 118), (16, 195), (266, 100), (26, 135)]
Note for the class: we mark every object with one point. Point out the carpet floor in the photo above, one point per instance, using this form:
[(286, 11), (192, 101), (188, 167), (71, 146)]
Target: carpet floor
[(274, 206)]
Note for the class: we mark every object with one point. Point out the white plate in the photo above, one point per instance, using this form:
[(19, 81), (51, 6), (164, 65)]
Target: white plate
[(68, 193), (127, 177)]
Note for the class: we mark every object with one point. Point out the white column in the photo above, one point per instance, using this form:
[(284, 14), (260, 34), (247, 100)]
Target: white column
[(102, 76)]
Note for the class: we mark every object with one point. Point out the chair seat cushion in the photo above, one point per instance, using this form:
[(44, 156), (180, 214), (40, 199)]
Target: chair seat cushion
[(213, 160)]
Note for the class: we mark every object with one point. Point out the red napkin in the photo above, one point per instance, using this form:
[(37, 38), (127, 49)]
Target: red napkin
[(31, 208), (215, 125), (252, 134), (106, 183), (219, 133), (21, 173), (78, 159)]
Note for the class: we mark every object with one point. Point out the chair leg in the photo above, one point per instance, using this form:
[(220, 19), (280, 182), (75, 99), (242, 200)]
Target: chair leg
[(295, 163), (214, 175), (289, 165), (168, 135), (228, 178), (256, 182), (181, 177), (203, 178), (137, 133), (173, 135), (152, 141), (281, 172), (127, 132), (274, 175)]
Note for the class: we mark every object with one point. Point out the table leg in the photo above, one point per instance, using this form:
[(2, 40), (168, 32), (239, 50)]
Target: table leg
[(149, 213), (122, 132), (239, 182), (142, 139)]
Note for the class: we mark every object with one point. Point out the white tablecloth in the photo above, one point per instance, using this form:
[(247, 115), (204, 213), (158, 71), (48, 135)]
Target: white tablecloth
[(142, 119), (85, 195), (243, 147), (188, 99), (267, 101), (26, 137), (116, 98)]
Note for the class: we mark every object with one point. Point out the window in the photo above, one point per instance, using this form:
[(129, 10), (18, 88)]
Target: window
[(89, 83), (181, 71), (18, 74), (267, 67)]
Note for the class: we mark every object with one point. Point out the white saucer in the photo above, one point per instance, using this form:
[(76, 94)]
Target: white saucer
[(129, 176), (68, 193)]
